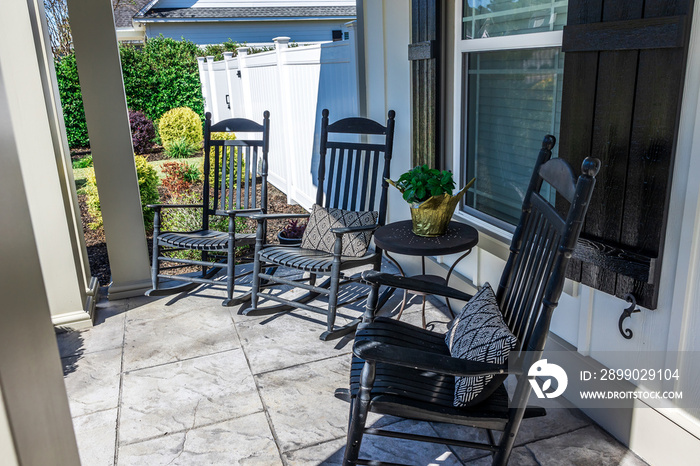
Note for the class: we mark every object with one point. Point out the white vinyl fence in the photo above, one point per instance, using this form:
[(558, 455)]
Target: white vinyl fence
[(295, 85)]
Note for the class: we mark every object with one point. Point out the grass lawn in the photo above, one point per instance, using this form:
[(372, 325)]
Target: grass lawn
[(80, 174)]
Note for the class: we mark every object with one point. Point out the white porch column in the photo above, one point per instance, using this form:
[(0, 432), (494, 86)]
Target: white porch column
[(35, 421), (97, 54), (56, 215), (63, 312), (46, 168)]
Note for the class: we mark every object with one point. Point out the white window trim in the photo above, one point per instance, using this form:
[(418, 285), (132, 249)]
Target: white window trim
[(462, 46)]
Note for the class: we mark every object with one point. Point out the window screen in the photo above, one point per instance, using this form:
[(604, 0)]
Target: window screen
[(514, 100)]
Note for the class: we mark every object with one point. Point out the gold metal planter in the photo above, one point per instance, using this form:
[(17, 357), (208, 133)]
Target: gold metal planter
[(431, 217)]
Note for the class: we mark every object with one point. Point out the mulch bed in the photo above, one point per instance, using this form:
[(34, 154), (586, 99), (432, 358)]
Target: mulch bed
[(95, 238)]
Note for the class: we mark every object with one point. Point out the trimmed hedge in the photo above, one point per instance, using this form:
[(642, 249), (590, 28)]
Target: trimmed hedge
[(161, 75), (72, 101)]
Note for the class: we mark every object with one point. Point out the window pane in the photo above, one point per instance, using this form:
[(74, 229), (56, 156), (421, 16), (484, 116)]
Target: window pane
[(514, 100), (492, 18)]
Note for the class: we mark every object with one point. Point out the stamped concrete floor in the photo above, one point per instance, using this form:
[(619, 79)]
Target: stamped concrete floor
[(181, 380)]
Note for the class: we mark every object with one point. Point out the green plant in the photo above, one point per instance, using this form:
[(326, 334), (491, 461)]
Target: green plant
[(180, 148), (148, 190), (83, 162), (180, 123), (422, 182)]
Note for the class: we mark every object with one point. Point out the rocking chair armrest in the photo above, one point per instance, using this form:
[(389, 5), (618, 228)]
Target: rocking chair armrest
[(263, 217), (239, 212), (413, 284), (173, 206), (345, 230), (425, 360)]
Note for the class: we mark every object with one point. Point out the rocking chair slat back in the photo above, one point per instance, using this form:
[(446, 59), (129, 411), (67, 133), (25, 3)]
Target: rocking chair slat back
[(527, 293), (235, 165), (354, 168), (230, 183)]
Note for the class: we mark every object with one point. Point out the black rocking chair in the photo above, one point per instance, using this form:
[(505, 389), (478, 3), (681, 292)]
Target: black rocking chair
[(233, 193), (406, 371), (354, 171)]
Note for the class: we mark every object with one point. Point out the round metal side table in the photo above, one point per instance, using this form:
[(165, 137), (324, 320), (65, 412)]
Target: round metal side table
[(398, 238)]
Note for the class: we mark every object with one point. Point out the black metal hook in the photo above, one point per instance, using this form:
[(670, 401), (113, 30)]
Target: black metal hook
[(627, 333)]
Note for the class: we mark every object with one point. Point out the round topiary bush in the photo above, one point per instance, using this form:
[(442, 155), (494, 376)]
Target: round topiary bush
[(148, 189), (142, 131), (178, 124)]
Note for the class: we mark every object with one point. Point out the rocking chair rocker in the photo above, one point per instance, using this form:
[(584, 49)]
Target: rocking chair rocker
[(232, 194), (406, 371), (354, 172)]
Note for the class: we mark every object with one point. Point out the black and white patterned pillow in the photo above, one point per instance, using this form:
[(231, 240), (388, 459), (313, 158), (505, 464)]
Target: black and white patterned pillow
[(318, 233), (480, 334)]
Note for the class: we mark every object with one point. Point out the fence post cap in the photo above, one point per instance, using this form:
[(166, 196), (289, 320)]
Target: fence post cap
[(282, 40), (228, 55)]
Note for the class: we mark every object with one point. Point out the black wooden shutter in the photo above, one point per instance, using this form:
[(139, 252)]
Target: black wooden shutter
[(425, 80), (623, 78)]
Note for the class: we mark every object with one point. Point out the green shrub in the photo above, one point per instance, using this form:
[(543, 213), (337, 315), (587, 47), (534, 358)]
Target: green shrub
[(84, 162), (181, 122), (160, 75), (72, 101), (148, 189), (93, 200), (180, 148)]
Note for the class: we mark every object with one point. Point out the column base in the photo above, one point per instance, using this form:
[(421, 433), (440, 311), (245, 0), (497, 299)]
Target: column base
[(83, 319), (128, 289)]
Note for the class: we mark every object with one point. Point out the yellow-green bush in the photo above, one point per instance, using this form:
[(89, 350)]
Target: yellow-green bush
[(148, 189), (180, 123)]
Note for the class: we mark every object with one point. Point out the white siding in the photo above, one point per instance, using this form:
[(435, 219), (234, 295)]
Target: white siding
[(585, 318), (252, 32)]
